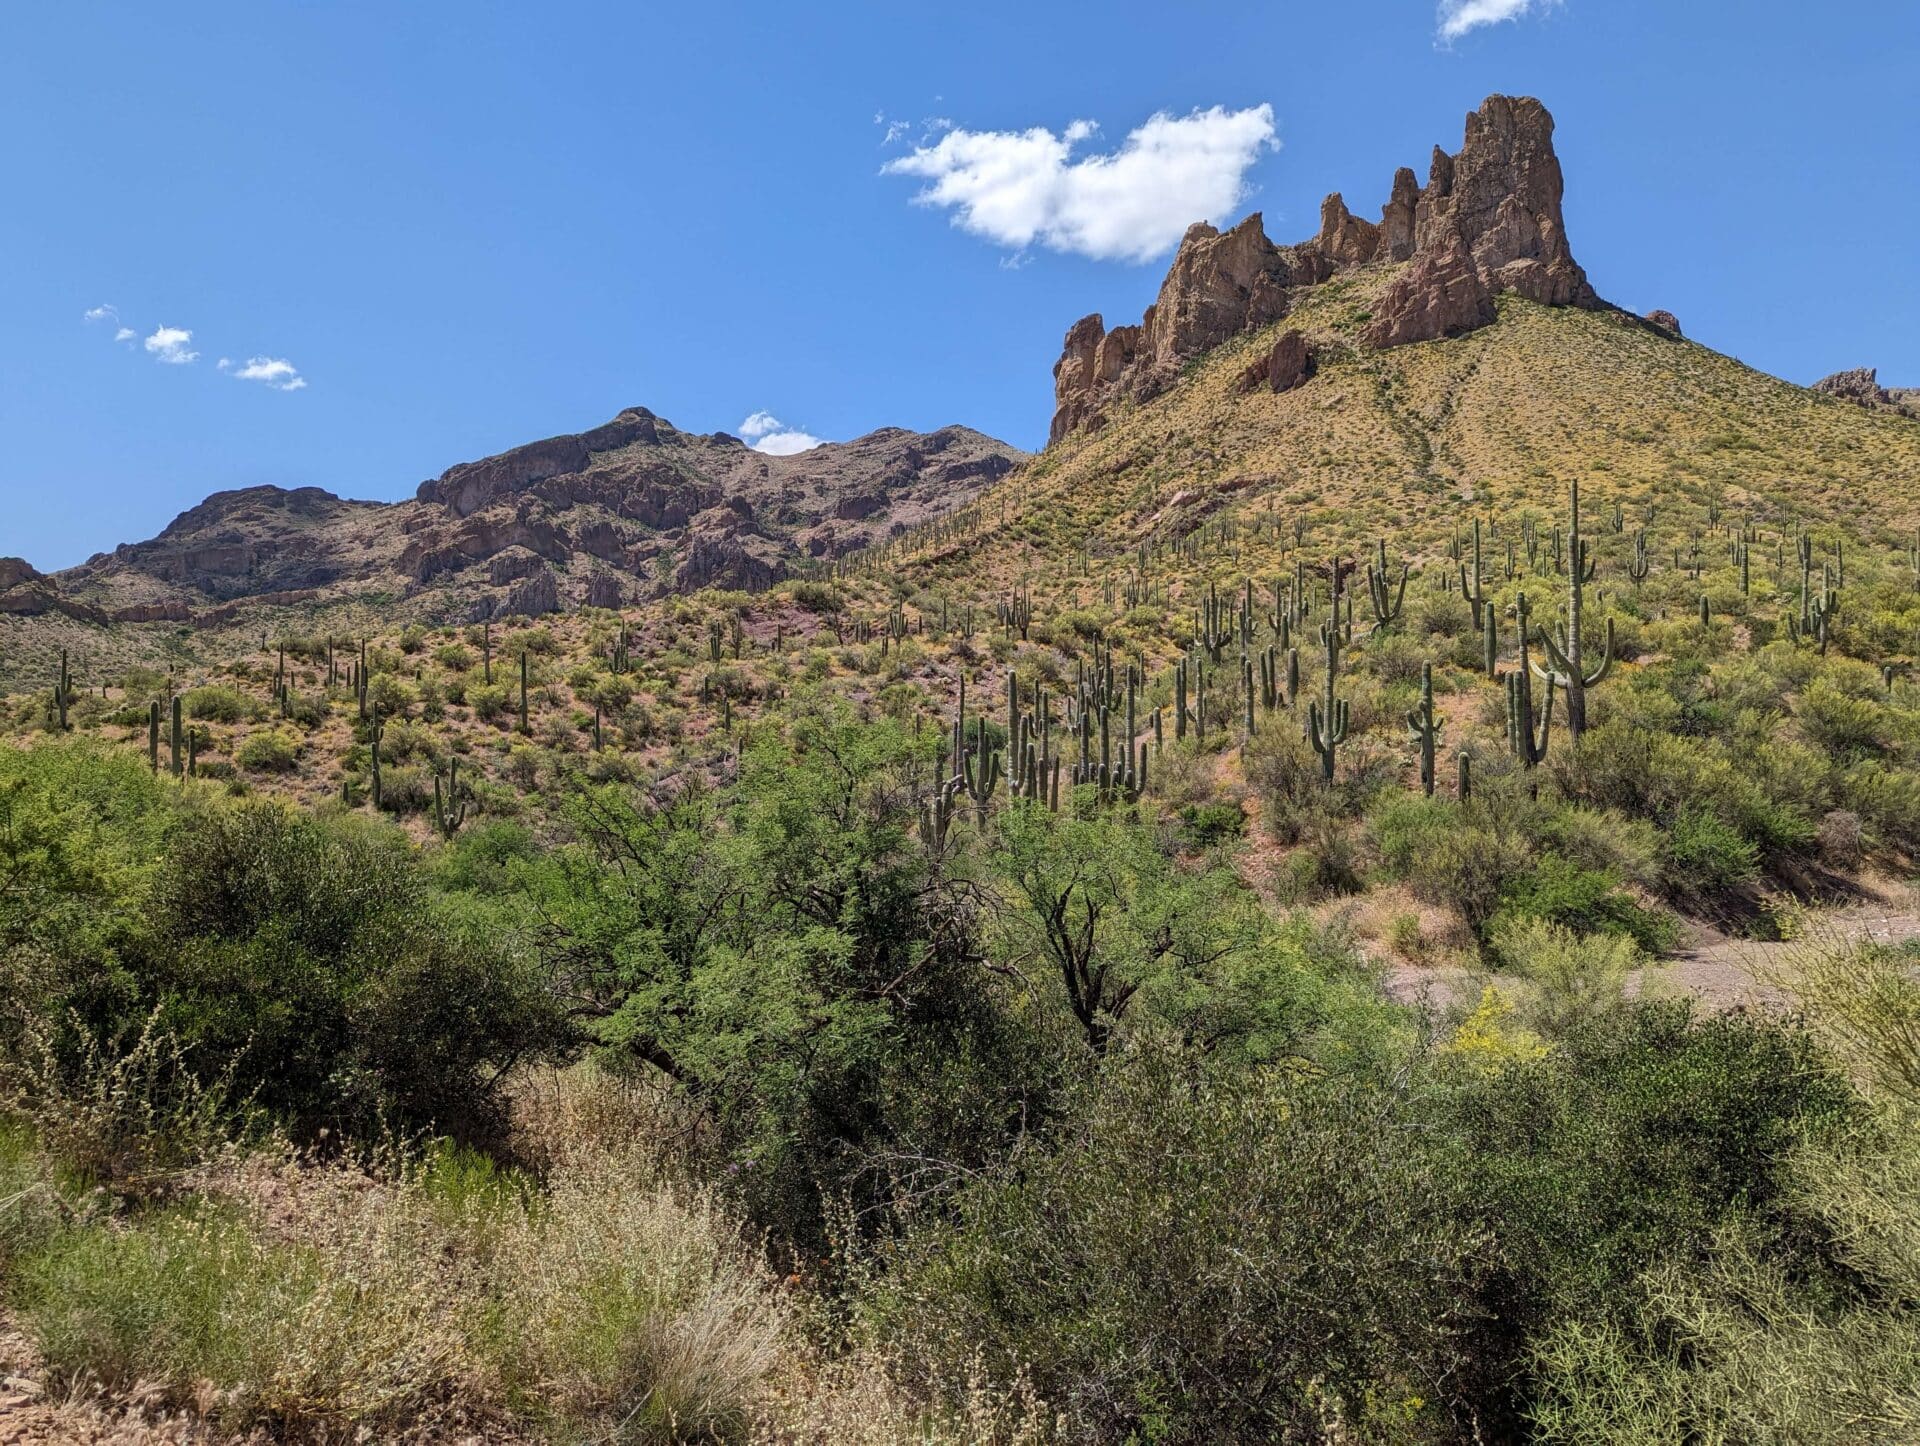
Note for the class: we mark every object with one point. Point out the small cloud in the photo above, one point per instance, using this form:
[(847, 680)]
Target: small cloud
[(101, 313), (1132, 203), (172, 345), (275, 372), (1457, 17), (125, 333), (766, 433)]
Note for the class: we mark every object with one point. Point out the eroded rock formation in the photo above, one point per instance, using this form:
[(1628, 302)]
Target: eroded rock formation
[(1488, 221), (1861, 386)]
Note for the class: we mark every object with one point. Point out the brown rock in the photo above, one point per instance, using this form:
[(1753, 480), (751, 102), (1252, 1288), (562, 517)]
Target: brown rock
[(604, 591), (1488, 221), (16, 570), (1666, 321), (1441, 294), (1283, 366), (531, 597), (1397, 219), (1861, 386), (1344, 238)]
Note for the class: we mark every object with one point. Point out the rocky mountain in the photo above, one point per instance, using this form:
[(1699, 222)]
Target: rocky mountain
[(629, 510), (1488, 222), (1861, 386)]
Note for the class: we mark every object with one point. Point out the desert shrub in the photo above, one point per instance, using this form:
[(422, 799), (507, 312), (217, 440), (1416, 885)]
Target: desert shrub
[(1310, 1277), (816, 597), (1459, 857), (490, 701), (217, 703), (395, 697), (1707, 855), (1887, 801), (1749, 1347), (1643, 1134), (633, 1309), (1840, 723), (1573, 977), (354, 1316), (1587, 901), (1865, 999), (307, 960), (268, 750), (1207, 825), (125, 1112)]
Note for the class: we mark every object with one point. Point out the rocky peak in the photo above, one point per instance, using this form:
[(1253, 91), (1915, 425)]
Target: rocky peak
[(1487, 221), (1861, 386)]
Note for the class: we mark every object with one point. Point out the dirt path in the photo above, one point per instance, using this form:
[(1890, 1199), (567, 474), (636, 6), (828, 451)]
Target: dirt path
[(1727, 972)]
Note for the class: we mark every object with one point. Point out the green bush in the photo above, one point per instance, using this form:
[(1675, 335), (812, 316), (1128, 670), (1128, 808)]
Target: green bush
[(268, 750), (1706, 855), (1587, 901), (1206, 1257), (216, 703)]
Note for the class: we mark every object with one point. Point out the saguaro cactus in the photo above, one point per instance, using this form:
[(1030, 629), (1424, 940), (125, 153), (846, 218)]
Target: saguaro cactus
[(1327, 726), (63, 691), (175, 741), (1386, 599), (1476, 595), (1527, 740), (1567, 655), (449, 804), (1424, 728), (374, 730), (153, 735)]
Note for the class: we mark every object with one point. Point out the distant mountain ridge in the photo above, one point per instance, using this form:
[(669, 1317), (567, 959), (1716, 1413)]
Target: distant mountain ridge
[(633, 509)]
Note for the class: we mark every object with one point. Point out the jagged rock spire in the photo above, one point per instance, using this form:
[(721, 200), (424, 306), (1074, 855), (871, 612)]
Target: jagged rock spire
[(1488, 220)]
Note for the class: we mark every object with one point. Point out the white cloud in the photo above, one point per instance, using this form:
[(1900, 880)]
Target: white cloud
[(1457, 17), (275, 372), (759, 425), (100, 313), (786, 444), (765, 432), (1130, 204), (125, 333), (171, 344)]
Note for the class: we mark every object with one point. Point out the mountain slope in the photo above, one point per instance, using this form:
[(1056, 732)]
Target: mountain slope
[(629, 510)]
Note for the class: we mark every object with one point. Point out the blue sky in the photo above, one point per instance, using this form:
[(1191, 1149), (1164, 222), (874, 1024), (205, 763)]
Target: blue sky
[(421, 233)]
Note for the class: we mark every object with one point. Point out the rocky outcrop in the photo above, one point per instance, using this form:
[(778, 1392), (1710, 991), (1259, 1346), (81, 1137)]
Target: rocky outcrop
[(604, 591), (1665, 320), (1282, 367), (1488, 221), (465, 489), (1861, 386), (16, 570), (1221, 285)]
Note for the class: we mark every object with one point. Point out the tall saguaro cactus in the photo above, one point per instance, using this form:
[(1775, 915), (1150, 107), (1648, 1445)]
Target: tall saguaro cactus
[(1425, 728), (1386, 599), (1527, 740), (1327, 726), (63, 691), (1567, 656)]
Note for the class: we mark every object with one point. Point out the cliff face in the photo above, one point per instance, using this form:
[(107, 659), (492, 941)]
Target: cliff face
[(1488, 220)]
